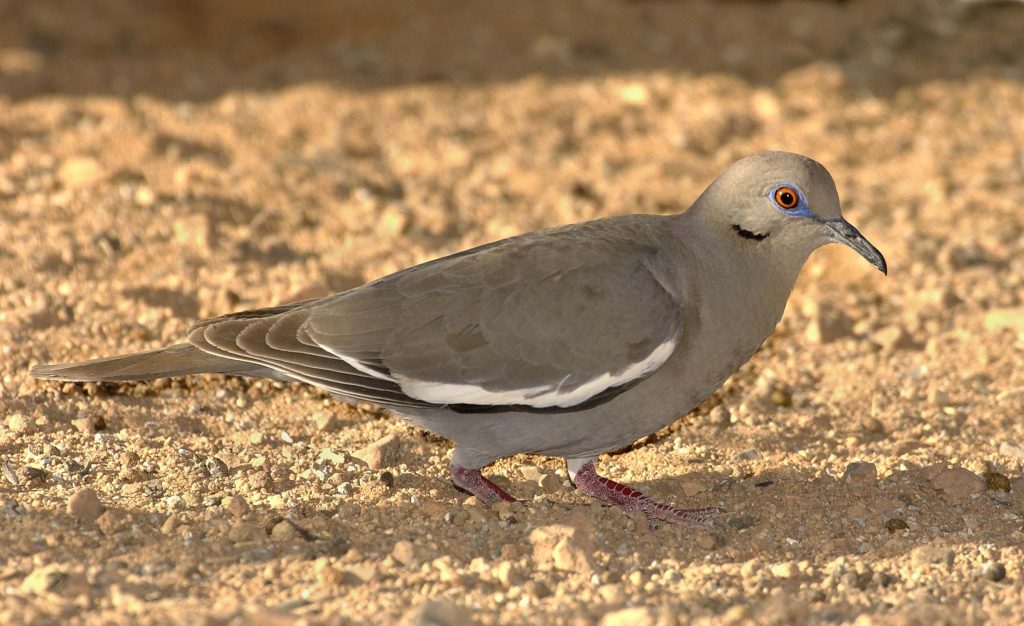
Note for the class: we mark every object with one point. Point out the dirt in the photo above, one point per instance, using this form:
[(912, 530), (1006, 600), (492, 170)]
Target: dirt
[(166, 161)]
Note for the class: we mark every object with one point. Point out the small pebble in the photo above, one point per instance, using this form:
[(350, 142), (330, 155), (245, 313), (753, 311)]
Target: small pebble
[(382, 453), (750, 454), (236, 505), (896, 524), (216, 467), (994, 481), (957, 483), (872, 425), (781, 397), (860, 476), (995, 572), (85, 504), (9, 474)]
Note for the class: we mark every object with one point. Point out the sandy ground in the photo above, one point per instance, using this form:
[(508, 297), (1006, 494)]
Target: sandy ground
[(165, 161)]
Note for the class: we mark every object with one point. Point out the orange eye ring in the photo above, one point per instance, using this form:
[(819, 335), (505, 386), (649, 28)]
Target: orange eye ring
[(787, 198)]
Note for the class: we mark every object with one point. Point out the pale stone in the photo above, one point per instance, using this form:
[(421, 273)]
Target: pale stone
[(79, 172), (85, 504), (382, 453)]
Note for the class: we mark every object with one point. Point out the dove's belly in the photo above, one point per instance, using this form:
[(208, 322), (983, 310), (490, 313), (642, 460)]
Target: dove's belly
[(684, 381), (716, 341)]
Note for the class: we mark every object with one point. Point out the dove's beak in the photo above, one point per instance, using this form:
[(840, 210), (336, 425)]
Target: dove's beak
[(841, 231)]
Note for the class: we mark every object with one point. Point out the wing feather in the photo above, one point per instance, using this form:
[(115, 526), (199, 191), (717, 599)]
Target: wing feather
[(552, 321)]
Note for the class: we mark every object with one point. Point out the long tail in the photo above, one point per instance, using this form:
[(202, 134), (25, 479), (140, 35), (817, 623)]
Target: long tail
[(177, 360)]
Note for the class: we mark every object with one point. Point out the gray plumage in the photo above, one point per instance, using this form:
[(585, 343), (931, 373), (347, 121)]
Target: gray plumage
[(568, 342)]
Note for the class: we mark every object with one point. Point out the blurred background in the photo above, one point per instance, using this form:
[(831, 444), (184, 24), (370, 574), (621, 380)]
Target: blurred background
[(196, 50), (167, 160)]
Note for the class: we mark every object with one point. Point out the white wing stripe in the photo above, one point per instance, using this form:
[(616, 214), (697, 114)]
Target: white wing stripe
[(542, 396), (356, 364)]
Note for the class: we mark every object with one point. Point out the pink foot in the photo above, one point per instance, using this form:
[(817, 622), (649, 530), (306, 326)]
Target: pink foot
[(588, 481), (473, 481)]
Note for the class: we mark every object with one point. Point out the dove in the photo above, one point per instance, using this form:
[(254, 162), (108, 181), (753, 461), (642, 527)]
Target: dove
[(566, 342)]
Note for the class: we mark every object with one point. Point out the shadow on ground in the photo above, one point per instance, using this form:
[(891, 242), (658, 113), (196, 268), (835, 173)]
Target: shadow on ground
[(195, 50)]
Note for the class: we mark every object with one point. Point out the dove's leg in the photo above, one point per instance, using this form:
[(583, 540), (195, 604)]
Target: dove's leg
[(589, 482), (473, 481)]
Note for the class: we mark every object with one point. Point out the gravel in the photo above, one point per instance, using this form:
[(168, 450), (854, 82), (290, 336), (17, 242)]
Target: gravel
[(156, 168)]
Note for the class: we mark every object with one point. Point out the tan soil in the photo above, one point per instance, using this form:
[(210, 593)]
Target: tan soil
[(163, 161)]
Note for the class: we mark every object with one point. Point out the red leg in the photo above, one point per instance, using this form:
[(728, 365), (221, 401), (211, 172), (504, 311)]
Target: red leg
[(473, 481), (588, 481)]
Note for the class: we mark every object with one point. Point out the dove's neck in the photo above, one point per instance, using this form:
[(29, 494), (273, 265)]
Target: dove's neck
[(749, 278)]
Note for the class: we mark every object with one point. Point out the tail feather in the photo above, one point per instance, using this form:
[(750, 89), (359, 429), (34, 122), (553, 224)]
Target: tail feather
[(177, 360)]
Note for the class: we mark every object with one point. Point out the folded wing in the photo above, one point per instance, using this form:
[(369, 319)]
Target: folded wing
[(552, 321)]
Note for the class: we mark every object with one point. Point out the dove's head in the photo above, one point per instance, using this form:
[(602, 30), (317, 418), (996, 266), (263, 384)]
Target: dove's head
[(782, 203)]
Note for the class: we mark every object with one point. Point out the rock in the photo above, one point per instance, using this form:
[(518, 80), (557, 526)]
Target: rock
[(236, 505), (80, 172), (438, 613), (34, 474), (706, 540), (781, 397), (84, 425), (382, 453), (393, 221), (326, 421), (9, 474), (612, 594), (217, 468), (635, 94), (892, 338), (507, 574), (957, 483), (931, 555), (287, 530), (85, 505), (570, 557), (144, 196), (827, 324), (784, 570), (19, 423), (11, 508), (364, 572), (194, 230), (408, 553), (993, 571), (566, 547), (329, 576), (112, 522), (938, 397), (1017, 486), (170, 524), (243, 532), (741, 521), (896, 524), (995, 481), (546, 483), (692, 486), (860, 476), (750, 454), (1007, 318), (633, 616), (872, 425), (55, 578), (720, 416)]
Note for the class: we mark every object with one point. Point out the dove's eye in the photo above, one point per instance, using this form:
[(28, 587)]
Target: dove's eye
[(787, 198)]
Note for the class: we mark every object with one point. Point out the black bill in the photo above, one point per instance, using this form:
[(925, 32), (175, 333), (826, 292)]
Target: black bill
[(843, 232)]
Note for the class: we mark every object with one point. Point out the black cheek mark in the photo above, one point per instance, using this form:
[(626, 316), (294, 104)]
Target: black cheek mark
[(746, 234)]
